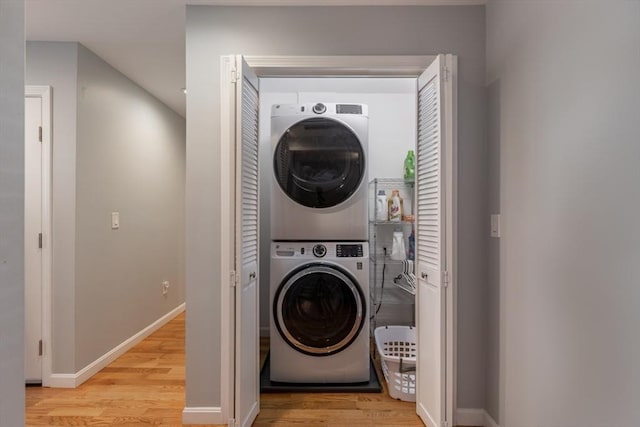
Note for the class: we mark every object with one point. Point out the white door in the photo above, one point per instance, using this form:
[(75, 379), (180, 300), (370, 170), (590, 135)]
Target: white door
[(434, 180), (247, 348), (33, 239)]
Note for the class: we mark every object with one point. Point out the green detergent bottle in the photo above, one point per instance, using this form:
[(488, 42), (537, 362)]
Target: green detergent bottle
[(409, 167)]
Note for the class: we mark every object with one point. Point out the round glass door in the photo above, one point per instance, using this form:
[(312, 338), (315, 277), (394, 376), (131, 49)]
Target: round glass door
[(319, 162), (319, 310)]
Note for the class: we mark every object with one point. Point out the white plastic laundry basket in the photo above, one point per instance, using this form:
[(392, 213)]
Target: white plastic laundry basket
[(398, 350)]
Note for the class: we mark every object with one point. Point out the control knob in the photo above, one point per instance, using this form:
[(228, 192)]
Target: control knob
[(319, 108), (319, 250)]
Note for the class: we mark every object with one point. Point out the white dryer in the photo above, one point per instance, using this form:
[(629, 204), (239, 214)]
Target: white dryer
[(319, 188), (319, 293)]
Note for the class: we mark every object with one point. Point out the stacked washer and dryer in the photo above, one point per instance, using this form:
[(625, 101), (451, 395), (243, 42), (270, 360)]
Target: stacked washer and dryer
[(319, 284)]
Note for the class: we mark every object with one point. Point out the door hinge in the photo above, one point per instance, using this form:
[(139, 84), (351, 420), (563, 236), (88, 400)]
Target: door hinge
[(234, 279), (234, 76), (40, 348), (40, 133), (445, 278), (39, 240), (447, 74)]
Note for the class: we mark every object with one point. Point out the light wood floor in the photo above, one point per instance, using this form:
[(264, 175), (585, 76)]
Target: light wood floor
[(146, 386)]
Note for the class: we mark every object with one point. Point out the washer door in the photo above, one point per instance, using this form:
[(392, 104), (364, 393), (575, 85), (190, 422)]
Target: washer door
[(319, 163), (319, 309)]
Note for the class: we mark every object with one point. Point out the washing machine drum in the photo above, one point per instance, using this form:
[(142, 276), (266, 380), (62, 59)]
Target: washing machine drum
[(319, 310), (319, 162)]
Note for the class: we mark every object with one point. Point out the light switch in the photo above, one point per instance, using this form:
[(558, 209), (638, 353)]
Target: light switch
[(115, 220), (495, 225)]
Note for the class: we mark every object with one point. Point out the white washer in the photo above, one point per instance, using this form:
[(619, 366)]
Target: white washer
[(319, 179), (319, 296)]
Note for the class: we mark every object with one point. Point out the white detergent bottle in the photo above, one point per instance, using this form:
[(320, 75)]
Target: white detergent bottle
[(397, 247), (382, 213)]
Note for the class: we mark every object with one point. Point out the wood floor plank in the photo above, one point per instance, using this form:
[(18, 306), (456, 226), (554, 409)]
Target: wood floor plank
[(145, 386)]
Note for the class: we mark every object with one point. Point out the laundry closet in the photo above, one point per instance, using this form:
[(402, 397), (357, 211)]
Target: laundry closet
[(307, 156)]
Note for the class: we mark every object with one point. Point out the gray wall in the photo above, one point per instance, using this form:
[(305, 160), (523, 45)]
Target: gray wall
[(11, 213), (115, 148), (215, 31), (130, 159), (569, 127), (56, 65)]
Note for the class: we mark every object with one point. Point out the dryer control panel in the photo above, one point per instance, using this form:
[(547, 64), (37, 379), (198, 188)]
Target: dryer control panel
[(313, 109)]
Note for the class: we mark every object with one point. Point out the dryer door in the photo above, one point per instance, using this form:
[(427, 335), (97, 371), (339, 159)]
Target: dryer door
[(319, 162), (319, 310)]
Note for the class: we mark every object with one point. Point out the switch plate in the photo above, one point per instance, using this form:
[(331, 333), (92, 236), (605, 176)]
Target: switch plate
[(495, 225), (115, 220), (165, 287)]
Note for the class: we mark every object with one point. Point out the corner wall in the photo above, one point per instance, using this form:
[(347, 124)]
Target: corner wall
[(216, 31), (569, 127), (492, 297), (11, 213)]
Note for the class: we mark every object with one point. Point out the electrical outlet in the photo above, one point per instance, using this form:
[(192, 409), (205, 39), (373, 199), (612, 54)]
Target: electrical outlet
[(165, 287)]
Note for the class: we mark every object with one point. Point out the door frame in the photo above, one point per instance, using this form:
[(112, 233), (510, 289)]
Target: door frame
[(321, 66), (44, 93)]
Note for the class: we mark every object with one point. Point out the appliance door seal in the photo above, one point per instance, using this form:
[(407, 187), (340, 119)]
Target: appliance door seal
[(319, 163), (319, 309)]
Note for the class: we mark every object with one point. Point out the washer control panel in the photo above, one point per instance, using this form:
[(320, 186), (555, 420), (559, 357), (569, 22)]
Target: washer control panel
[(349, 251), (316, 250)]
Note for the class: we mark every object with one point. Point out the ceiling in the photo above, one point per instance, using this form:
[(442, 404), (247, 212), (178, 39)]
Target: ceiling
[(145, 39)]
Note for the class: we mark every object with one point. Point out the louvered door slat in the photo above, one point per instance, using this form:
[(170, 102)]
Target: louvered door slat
[(429, 159), (249, 173)]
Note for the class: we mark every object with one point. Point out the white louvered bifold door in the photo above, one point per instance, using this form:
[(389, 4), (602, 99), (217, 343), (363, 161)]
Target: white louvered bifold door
[(247, 376), (430, 250)]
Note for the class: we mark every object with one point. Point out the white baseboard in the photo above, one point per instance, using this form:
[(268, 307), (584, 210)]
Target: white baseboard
[(470, 417), (61, 381), (74, 380), (489, 421), (202, 415), (474, 417), (264, 331)]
